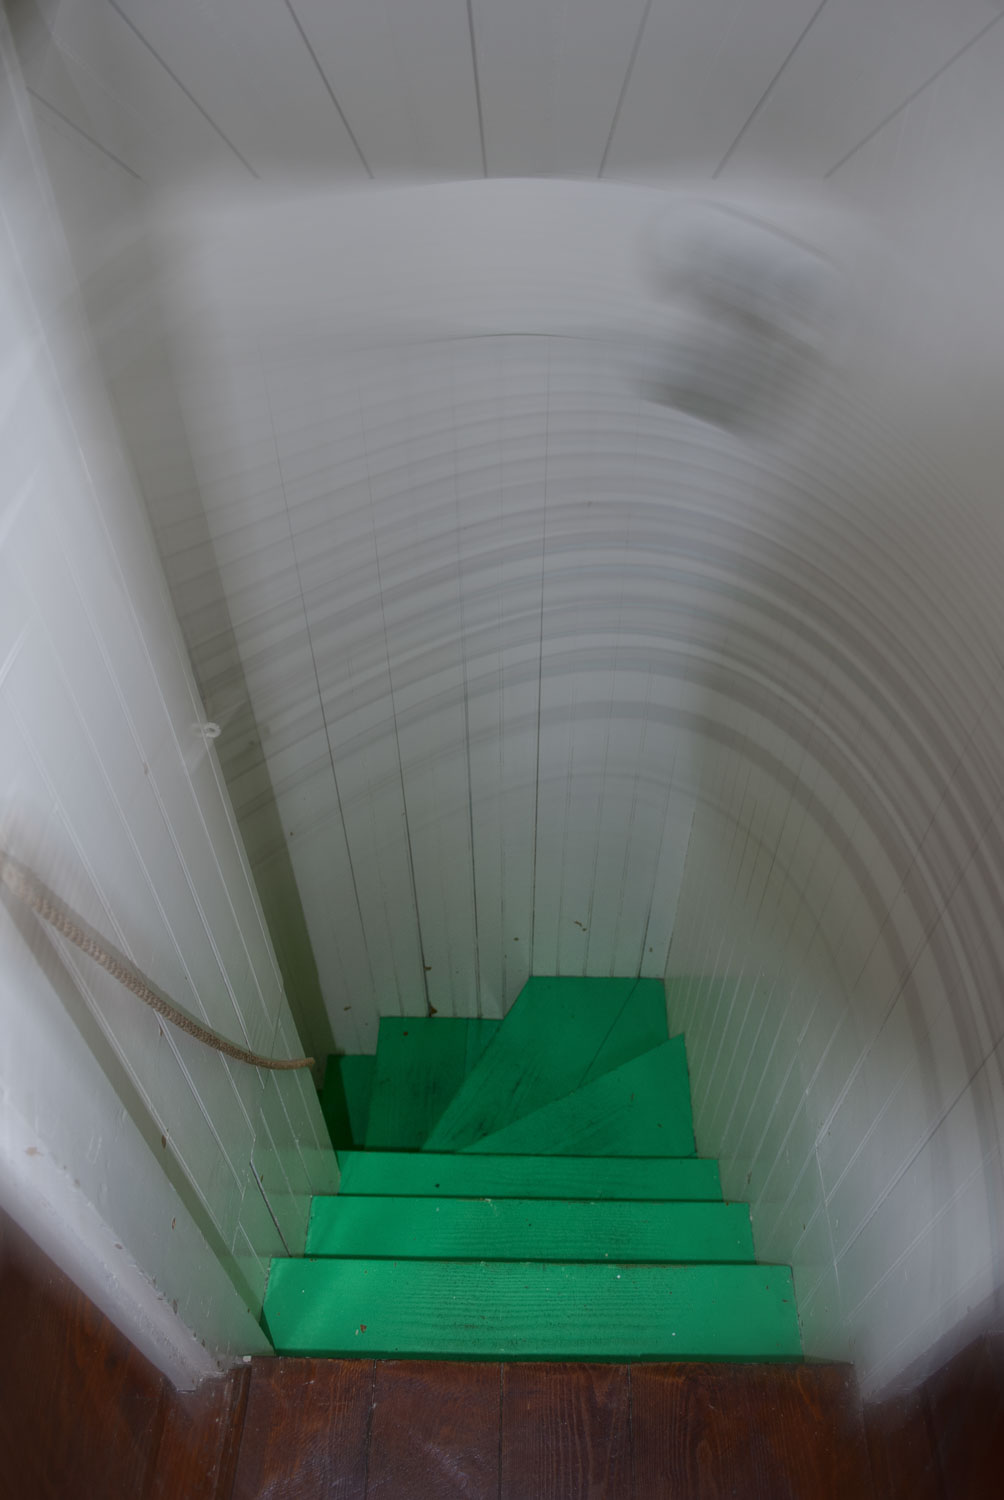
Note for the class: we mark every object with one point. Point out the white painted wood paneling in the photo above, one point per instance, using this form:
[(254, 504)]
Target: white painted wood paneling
[(551, 75), (699, 74), (860, 61), (250, 73), (404, 75), (464, 88), (538, 673), (111, 794), (97, 72)]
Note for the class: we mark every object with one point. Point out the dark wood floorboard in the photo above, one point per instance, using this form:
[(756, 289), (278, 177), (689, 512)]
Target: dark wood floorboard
[(80, 1410), (200, 1435), (566, 1432), (435, 1432), (903, 1460), (763, 1432), (83, 1416), (966, 1403), (306, 1430)]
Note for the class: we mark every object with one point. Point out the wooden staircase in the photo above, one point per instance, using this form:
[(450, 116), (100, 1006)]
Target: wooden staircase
[(528, 1190)]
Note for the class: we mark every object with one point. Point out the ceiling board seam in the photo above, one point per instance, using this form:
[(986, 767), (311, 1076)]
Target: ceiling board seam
[(175, 79), (88, 138), (330, 91), (624, 87), (758, 106), (477, 87), (911, 97)]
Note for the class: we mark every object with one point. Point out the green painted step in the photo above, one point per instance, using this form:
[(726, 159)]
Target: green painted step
[(394, 1174), (435, 1309), (421, 1062), (641, 1108), (553, 1036), (345, 1098), (528, 1229), (640, 1026)]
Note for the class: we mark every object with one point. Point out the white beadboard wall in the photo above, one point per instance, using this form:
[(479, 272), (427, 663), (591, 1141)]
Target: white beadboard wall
[(126, 1145), (518, 670), (442, 685), (845, 873)]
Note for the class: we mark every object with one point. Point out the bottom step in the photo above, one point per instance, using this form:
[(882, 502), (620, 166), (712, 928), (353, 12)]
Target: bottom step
[(531, 1310)]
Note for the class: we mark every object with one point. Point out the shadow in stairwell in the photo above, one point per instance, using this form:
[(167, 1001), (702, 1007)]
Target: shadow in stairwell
[(945, 1439)]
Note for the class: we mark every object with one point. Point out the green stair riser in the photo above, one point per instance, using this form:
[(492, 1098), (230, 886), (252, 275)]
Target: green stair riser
[(421, 1062), (641, 1108), (640, 1026), (551, 1038), (521, 1229), (530, 1310), (345, 1098), (428, 1174)]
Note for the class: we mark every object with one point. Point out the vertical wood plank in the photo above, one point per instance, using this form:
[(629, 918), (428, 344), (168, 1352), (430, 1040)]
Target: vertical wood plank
[(305, 1430), (435, 1431), (566, 1432), (766, 1432)]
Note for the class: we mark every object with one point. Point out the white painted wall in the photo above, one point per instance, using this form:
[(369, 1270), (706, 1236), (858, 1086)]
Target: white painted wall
[(850, 841), (484, 627), (384, 614), (516, 643), (497, 645), (125, 1147)]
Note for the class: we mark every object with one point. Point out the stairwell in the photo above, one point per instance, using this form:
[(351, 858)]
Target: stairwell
[(528, 1190)]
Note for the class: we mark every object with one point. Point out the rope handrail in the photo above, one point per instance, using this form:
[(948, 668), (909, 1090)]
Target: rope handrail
[(29, 889)]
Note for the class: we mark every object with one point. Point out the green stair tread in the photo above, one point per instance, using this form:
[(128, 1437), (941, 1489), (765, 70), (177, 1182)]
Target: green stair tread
[(389, 1174), (545, 1047), (640, 1109), (345, 1098), (640, 1026), (479, 1034), (528, 1229), (429, 1309), (421, 1062)]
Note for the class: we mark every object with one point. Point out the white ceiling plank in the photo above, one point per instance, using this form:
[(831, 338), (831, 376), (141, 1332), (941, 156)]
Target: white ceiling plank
[(861, 60), (404, 75), (698, 76), (245, 64), (551, 75), (99, 76)]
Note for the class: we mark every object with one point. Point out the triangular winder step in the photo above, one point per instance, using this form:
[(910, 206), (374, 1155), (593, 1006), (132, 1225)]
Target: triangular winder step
[(641, 1108), (528, 1190), (558, 1033), (420, 1065)]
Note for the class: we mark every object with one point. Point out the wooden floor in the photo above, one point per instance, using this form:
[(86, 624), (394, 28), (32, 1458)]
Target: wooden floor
[(547, 1432), (83, 1416)]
